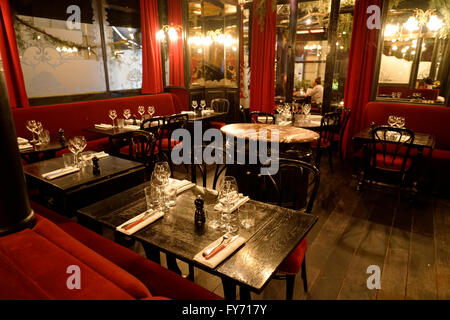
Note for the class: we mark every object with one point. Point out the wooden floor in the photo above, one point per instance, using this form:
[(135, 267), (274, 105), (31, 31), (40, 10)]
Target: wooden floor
[(408, 240)]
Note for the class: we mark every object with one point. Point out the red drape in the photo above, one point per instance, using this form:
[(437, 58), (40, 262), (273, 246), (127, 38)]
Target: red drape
[(152, 81), (262, 65), (176, 70), (361, 63), (10, 58)]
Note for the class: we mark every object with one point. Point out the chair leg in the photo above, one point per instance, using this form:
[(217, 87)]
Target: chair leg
[(305, 280), (290, 281), (330, 159)]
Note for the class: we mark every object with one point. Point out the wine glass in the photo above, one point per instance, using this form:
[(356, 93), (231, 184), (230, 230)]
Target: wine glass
[(112, 115), (392, 121), (194, 105), (401, 121), (31, 124), (202, 104), (141, 111), (228, 194), (38, 128), (306, 109), (151, 111), (163, 170), (126, 113), (73, 147)]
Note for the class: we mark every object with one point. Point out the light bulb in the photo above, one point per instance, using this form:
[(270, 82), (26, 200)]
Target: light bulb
[(160, 35), (411, 24), (172, 34), (434, 23)]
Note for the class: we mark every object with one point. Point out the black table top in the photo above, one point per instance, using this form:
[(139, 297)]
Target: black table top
[(421, 140), (109, 166), (206, 116), (38, 148), (276, 233), (113, 132)]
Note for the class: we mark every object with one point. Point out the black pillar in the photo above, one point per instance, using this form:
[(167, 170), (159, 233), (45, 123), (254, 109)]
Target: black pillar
[(15, 211)]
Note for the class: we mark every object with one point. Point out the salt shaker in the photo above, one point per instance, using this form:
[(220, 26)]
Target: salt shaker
[(95, 166), (62, 139), (200, 216)]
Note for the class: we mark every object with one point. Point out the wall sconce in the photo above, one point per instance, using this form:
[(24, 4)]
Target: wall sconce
[(171, 31)]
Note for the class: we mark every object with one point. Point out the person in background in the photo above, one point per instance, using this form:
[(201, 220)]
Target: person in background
[(428, 83), (316, 93)]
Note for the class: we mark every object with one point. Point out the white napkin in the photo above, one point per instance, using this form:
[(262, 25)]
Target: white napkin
[(152, 218), (191, 113), (131, 127), (103, 126), (284, 123), (130, 121), (207, 111), (22, 140), (99, 155), (221, 255), (263, 119), (241, 200), (25, 146), (181, 185), (60, 172)]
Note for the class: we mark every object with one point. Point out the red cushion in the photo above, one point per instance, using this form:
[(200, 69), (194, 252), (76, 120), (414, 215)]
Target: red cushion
[(173, 143), (294, 261), (74, 117), (440, 155), (126, 150), (216, 124), (390, 162), (42, 255), (160, 281)]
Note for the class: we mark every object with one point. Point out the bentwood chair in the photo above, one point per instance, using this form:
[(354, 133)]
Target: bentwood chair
[(344, 121), (220, 105), (167, 144), (143, 149), (329, 128), (262, 117), (279, 190), (389, 153)]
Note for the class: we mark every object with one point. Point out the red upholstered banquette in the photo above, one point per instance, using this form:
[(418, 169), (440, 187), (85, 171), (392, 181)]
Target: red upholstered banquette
[(419, 118), (33, 265)]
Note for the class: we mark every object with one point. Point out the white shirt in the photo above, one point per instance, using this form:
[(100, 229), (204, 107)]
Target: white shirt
[(316, 94)]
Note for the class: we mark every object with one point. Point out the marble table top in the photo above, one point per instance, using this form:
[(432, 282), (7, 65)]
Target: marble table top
[(260, 131)]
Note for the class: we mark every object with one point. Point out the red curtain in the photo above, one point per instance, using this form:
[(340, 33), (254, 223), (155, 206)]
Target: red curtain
[(176, 70), (262, 65), (10, 58), (361, 63), (152, 81)]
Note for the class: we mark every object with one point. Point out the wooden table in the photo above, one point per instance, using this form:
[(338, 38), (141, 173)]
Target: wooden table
[(277, 231), (205, 116), (115, 135), (313, 122), (68, 193), (41, 152)]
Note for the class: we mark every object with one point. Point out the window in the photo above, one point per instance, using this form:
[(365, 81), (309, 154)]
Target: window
[(59, 58)]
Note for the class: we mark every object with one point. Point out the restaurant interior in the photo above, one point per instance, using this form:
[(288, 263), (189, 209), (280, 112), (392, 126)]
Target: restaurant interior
[(225, 150)]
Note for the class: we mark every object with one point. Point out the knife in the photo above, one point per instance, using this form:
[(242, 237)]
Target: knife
[(222, 246), (134, 223)]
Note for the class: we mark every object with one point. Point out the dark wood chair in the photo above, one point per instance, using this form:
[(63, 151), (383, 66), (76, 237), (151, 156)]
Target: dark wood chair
[(262, 117), (220, 105), (279, 189), (389, 153), (329, 127), (143, 148), (167, 144)]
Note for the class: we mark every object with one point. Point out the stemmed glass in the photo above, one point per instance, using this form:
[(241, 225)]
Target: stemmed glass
[(306, 108), (151, 111), (392, 121), (126, 113), (31, 124), (202, 104), (112, 115), (77, 145), (194, 105), (38, 128), (141, 111), (160, 181), (401, 121), (228, 194)]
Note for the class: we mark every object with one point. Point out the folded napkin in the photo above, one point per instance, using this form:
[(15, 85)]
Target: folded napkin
[(284, 123), (103, 126), (207, 111), (60, 172), (131, 127), (25, 146), (181, 185), (221, 255), (263, 119), (236, 204), (22, 140), (150, 219), (99, 155), (130, 121), (191, 113)]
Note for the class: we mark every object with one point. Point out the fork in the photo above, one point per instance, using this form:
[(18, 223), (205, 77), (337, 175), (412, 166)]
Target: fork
[(208, 251), (134, 223)]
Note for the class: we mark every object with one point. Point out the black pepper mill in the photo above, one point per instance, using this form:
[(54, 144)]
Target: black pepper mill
[(95, 166), (134, 120), (200, 217), (62, 139)]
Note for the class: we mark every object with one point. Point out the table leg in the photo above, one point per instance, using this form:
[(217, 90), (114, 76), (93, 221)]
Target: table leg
[(229, 289), (151, 252), (172, 264), (244, 294)]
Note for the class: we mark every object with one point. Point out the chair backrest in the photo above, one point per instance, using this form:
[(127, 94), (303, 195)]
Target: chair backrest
[(294, 186), (393, 144), (154, 125), (262, 117), (346, 112), (220, 105), (142, 148), (329, 127)]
